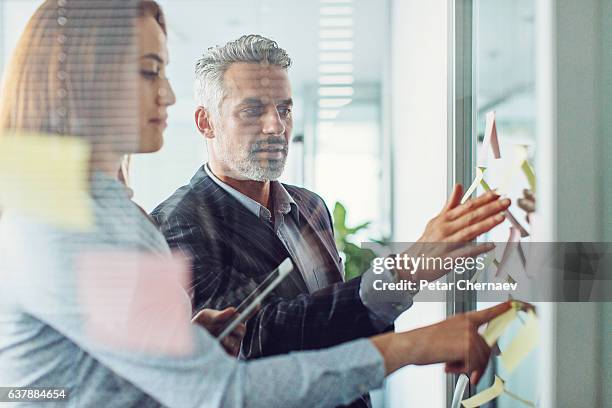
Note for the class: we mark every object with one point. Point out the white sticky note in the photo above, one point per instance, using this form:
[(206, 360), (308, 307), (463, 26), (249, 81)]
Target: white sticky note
[(511, 245), (46, 177), (511, 218)]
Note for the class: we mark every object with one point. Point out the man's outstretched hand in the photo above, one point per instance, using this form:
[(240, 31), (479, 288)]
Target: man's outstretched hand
[(464, 222), (457, 224)]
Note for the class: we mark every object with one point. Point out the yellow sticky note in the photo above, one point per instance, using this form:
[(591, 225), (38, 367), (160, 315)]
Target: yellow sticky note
[(485, 396), (46, 177), (497, 326), (529, 173), (477, 180), (522, 344), (522, 400)]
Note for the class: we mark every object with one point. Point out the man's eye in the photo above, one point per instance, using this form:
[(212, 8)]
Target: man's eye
[(253, 111), (284, 111)]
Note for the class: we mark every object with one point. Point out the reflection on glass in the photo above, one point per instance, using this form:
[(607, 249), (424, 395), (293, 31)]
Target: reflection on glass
[(504, 74)]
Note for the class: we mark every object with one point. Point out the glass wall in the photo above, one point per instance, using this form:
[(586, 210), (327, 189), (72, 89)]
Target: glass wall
[(504, 83), (504, 72)]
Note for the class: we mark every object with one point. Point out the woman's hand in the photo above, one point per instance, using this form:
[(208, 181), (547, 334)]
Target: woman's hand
[(454, 341), (215, 321)]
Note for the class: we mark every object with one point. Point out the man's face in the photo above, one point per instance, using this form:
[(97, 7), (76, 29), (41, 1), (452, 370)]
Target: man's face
[(252, 131)]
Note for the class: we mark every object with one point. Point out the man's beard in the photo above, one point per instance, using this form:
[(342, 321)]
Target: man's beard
[(251, 167)]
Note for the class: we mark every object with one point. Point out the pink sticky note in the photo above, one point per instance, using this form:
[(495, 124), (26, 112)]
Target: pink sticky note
[(491, 134), (516, 224), (490, 140), (136, 302)]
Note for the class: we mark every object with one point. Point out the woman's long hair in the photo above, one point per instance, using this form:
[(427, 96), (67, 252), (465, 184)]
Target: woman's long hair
[(75, 71)]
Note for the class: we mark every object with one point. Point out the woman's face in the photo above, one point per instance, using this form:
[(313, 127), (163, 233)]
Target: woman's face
[(155, 91)]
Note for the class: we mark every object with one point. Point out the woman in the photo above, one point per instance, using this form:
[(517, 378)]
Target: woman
[(96, 70)]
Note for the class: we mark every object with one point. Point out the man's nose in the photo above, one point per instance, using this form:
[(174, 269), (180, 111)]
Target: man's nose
[(272, 123)]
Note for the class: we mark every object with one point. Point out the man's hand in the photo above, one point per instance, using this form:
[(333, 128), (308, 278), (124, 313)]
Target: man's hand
[(455, 342), (464, 222), (215, 321), (456, 225)]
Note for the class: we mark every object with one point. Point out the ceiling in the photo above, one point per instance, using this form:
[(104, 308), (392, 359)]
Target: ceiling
[(196, 25)]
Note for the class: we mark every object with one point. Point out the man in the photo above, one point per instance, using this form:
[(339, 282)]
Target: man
[(238, 223)]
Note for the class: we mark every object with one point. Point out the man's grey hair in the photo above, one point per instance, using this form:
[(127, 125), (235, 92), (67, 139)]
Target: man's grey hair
[(210, 69)]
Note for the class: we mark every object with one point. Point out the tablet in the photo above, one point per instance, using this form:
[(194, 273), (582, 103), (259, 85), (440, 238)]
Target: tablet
[(254, 299)]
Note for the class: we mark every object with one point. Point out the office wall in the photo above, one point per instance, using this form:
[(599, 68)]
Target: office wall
[(418, 125)]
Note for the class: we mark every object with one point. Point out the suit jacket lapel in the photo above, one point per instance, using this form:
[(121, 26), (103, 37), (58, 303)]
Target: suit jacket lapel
[(307, 213), (240, 221)]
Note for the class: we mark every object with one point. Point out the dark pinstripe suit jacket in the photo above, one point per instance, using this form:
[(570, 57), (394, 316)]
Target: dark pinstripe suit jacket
[(232, 251)]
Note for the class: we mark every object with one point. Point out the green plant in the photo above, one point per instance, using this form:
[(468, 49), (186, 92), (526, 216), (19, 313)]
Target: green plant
[(356, 259)]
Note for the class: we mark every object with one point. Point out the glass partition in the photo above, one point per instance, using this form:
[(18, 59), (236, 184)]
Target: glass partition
[(503, 70)]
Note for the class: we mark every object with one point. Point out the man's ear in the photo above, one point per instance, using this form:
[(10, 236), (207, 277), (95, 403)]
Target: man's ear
[(204, 123)]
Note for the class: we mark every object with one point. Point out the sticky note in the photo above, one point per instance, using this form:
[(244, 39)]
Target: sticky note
[(485, 396), (522, 344), (491, 134), (136, 302), (498, 326), (517, 398), (522, 255), (508, 169), (513, 239), (490, 140), (508, 214), (523, 232), (477, 180), (46, 177), (529, 173)]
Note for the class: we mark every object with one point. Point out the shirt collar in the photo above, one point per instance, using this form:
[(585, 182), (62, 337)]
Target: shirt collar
[(283, 202), (105, 186)]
